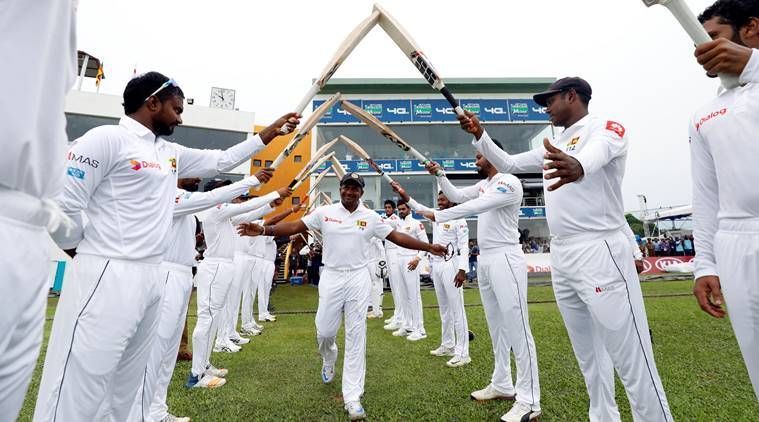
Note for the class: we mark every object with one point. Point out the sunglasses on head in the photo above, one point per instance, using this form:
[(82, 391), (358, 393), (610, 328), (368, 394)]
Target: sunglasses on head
[(170, 82)]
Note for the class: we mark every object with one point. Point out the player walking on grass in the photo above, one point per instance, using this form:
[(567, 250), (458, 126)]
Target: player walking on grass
[(347, 228)]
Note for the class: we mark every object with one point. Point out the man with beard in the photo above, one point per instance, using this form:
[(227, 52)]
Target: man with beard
[(107, 315), (725, 200)]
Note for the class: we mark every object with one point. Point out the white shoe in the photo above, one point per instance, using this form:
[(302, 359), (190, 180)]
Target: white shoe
[(217, 372), (520, 412), (328, 374), (250, 332), (390, 320), (240, 340), (458, 361), (442, 351), (416, 336), (257, 326), (268, 318), (206, 381), (172, 418), (371, 315), (226, 348), (392, 326), (490, 393), (356, 412), (401, 332)]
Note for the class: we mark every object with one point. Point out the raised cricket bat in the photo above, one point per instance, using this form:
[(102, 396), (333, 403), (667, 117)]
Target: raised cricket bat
[(383, 129), (345, 49), (693, 27), (312, 169), (338, 168), (364, 156), (317, 155), (412, 51)]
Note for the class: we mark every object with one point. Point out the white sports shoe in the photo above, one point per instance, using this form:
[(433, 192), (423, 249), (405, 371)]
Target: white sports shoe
[(217, 372), (172, 418), (520, 412), (389, 320), (490, 393), (442, 351), (401, 332), (416, 336), (252, 332), (356, 412), (457, 361), (392, 326), (226, 348), (240, 340), (328, 374), (209, 381), (268, 318)]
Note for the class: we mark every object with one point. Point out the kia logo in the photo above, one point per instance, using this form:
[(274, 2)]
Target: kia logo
[(647, 266), (663, 263)]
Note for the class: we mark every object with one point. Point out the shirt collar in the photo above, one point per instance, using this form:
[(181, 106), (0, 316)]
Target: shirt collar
[(136, 128)]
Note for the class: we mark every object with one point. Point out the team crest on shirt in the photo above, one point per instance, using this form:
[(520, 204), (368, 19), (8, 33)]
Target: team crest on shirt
[(616, 128), (361, 224), (446, 226), (572, 144), (173, 164)]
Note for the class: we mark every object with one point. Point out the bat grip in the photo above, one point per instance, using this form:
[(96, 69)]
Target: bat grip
[(452, 101), (388, 178)]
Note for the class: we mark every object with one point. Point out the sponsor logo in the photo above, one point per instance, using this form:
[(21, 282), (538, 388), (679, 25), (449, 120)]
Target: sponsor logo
[(423, 108), (398, 110), (332, 220), (471, 107), (616, 128), (469, 164), (647, 266), (445, 110), (496, 110), (520, 108), (75, 172), (374, 109), (138, 165), (504, 187), (540, 110), (710, 116), (663, 263), (600, 289), (572, 144), (82, 159)]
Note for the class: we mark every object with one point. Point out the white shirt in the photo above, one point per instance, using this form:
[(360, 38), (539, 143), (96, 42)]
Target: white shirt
[(413, 228), (125, 179), (220, 222), (592, 204), (38, 47), (394, 221), (346, 235), (257, 245), (496, 203), (270, 248), (724, 146), (454, 232)]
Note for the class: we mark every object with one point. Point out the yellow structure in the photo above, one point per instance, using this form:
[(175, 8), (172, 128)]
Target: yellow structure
[(286, 171)]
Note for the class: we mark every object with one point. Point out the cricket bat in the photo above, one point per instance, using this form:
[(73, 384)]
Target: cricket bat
[(412, 51), (312, 169), (694, 29), (317, 155), (364, 156), (337, 168)]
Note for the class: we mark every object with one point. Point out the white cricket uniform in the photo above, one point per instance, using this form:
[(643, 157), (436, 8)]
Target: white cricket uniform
[(178, 262), (413, 320), (216, 272), (450, 299), (243, 262), (39, 68), (393, 275), (266, 275), (379, 264), (345, 286), (593, 270), (256, 252), (726, 204), (502, 277), (124, 178)]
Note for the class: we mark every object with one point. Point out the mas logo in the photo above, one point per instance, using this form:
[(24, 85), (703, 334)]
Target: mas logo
[(83, 160)]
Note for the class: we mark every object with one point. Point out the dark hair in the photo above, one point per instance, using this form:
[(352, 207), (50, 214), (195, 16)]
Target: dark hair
[(735, 13), (584, 98), (140, 87), (497, 143), (402, 202), (390, 202)]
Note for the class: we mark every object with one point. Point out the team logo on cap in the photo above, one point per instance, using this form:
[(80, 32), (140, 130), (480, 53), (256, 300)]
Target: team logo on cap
[(354, 175)]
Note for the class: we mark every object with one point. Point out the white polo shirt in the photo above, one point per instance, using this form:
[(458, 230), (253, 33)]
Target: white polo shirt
[(724, 143), (125, 178), (394, 221), (347, 236), (413, 228), (454, 232)]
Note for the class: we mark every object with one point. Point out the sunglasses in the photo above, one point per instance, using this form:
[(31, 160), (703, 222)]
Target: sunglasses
[(170, 82)]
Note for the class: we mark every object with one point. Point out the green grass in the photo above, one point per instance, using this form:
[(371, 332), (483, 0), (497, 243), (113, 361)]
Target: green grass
[(276, 377)]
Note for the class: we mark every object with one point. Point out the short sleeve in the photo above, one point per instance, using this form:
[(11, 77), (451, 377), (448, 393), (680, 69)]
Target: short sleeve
[(314, 220), (381, 228)]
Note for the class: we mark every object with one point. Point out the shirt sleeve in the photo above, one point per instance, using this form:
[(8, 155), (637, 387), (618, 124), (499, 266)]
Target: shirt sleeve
[(455, 194), (418, 207), (252, 209), (89, 160), (705, 204), (462, 247), (209, 162), (500, 194), (381, 228), (751, 71), (421, 234), (530, 161), (314, 220), (637, 254), (606, 143), (187, 203)]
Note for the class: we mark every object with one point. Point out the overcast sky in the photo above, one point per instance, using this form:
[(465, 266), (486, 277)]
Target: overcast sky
[(638, 60)]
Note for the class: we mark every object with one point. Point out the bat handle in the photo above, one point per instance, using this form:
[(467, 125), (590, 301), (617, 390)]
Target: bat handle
[(388, 178), (439, 173), (452, 101), (284, 130), (459, 111)]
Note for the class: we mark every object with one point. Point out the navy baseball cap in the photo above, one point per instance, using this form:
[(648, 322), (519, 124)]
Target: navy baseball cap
[(580, 85), (354, 178)]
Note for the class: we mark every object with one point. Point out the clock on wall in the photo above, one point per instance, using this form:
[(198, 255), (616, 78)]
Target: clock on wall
[(223, 98)]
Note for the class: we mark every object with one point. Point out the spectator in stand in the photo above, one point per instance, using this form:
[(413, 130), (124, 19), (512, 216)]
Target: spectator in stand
[(650, 247), (474, 251), (665, 247), (657, 247), (679, 250), (688, 245)]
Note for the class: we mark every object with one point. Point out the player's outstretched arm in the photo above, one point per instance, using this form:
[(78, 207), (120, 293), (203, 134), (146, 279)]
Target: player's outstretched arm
[(408, 242), (281, 216), (529, 161), (277, 230), (723, 56)]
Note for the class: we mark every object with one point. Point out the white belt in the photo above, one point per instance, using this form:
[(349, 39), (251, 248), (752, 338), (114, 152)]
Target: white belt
[(24, 208)]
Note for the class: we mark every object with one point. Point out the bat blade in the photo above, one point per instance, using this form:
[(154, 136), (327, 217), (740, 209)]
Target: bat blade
[(337, 167), (365, 156)]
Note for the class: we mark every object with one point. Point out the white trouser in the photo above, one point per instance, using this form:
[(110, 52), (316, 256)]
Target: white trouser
[(249, 292), (228, 324), (264, 287), (344, 292), (412, 309), (450, 299), (394, 277), (101, 340), (502, 276), (377, 288), (213, 280), (163, 356), (598, 293), (25, 261), (736, 247)]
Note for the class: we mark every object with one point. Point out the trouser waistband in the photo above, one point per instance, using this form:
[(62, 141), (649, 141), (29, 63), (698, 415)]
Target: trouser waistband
[(27, 209)]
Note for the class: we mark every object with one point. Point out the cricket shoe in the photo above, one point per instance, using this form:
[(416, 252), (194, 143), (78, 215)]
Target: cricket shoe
[(268, 318), (172, 418), (356, 412), (328, 374), (392, 326), (401, 332), (490, 393), (217, 372), (389, 320), (250, 332), (206, 381), (458, 361), (442, 351), (239, 340), (226, 348), (520, 412), (416, 336)]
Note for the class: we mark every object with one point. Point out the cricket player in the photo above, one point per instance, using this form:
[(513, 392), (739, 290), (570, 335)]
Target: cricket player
[(391, 255), (39, 68), (266, 278), (594, 274), (448, 278), (379, 262), (723, 142), (124, 177), (347, 228), (256, 252), (412, 324)]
